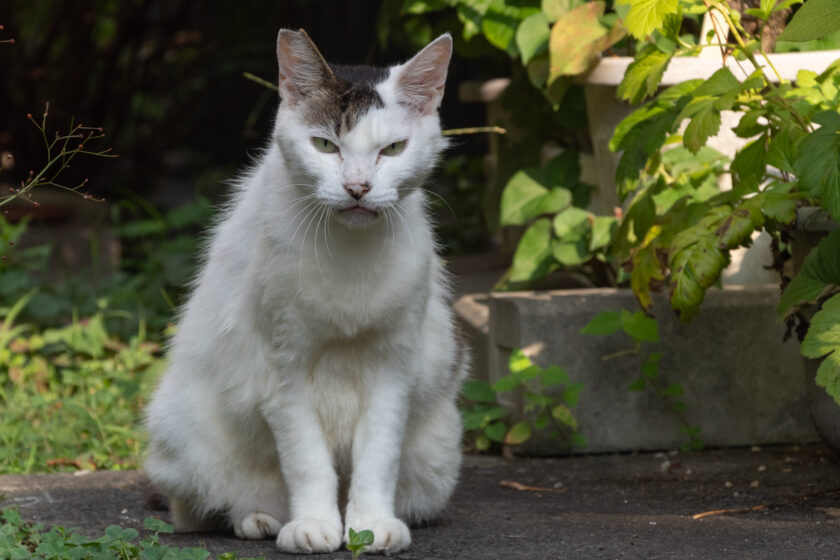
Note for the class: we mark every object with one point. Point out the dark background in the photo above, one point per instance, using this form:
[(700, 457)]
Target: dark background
[(164, 79)]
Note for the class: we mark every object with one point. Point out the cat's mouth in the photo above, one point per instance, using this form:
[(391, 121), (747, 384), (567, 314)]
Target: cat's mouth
[(358, 215)]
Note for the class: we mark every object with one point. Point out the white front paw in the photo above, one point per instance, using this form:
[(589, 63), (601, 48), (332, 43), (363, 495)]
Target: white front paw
[(256, 526), (389, 535), (309, 535)]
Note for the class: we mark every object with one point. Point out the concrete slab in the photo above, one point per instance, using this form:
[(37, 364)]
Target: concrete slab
[(603, 506), (743, 384)]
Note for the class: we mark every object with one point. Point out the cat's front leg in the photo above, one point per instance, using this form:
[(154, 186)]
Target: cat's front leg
[(376, 460), (307, 467)]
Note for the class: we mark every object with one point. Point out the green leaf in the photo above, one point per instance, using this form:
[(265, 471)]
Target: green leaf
[(470, 14), (647, 274), (554, 375), (674, 390), (533, 254), (780, 207), (519, 433), (604, 323), (577, 39), (749, 162), (500, 22), (704, 124), (642, 77), (749, 124), (783, 148), (158, 526), (425, 6), (637, 385), (639, 326), (479, 391), (818, 164), (820, 270), (526, 196), (571, 393), (647, 15), (578, 440), (823, 339), (506, 383), (564, 169), (572, 223), (564, 415), (696, 262), (603, 228), (496, 431), (554, 9), (814, 20), (532, 36), (739, 226), (519, 362), (571, 253), (482, 442)]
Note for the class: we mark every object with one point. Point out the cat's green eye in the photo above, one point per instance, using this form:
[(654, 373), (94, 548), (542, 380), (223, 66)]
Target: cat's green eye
[(394, 149), (324, 145)]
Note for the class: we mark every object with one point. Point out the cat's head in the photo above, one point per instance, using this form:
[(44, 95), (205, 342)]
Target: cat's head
[(357, 138)]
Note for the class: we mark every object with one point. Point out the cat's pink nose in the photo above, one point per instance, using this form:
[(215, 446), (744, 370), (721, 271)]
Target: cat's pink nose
[(357, 190)]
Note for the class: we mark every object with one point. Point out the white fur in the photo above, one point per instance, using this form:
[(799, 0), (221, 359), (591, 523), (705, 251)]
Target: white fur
[(317, 350)]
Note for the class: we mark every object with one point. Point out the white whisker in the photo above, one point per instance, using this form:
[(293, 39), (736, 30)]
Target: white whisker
[(396, 208), (327, 234)]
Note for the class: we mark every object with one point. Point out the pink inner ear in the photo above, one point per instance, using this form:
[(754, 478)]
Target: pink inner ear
[(302, 68), (422, 78)]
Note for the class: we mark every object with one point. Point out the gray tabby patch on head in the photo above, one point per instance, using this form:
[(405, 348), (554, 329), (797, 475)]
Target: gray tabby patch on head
[(332, 96)]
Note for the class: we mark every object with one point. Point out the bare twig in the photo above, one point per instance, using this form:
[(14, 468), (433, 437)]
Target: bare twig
[(525, 488), (764, 506)]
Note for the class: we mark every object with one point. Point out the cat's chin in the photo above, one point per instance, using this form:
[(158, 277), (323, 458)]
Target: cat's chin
[(357, 217)]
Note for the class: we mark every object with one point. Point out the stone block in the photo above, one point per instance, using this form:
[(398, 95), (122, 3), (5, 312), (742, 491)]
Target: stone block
[(743, 384)]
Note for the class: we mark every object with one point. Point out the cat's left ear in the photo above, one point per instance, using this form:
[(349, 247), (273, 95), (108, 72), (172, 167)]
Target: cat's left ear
[(420, 80)]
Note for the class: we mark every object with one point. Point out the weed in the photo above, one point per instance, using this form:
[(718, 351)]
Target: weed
[(643, 329), (358, 541), (488, 419), (21, 540), (71, 396)]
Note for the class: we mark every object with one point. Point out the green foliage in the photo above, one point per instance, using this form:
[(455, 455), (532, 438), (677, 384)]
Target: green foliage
[(577, 40), (823, 341), (814, 20), (548, 395), (71, 396), (646, 15), (357, 542), (159, 257), (20, 540), (573, 237), (820, 273), (642, 330), (677, 231)]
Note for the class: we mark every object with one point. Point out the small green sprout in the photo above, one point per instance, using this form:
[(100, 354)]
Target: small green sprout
[(358, 541)]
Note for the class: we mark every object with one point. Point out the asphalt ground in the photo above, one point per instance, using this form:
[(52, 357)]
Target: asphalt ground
[(601, 506)]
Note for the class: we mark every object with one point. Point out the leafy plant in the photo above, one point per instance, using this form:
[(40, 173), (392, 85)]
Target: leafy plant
[(644, 330), (573, 237), (21, 540), (357, 542), (537, 389), (792, 158), (71, 396)]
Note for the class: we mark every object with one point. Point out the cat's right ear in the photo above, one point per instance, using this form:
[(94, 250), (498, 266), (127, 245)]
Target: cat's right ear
[(302, 67)]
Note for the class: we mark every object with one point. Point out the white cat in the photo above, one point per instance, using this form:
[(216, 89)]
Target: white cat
[(315, 367)]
